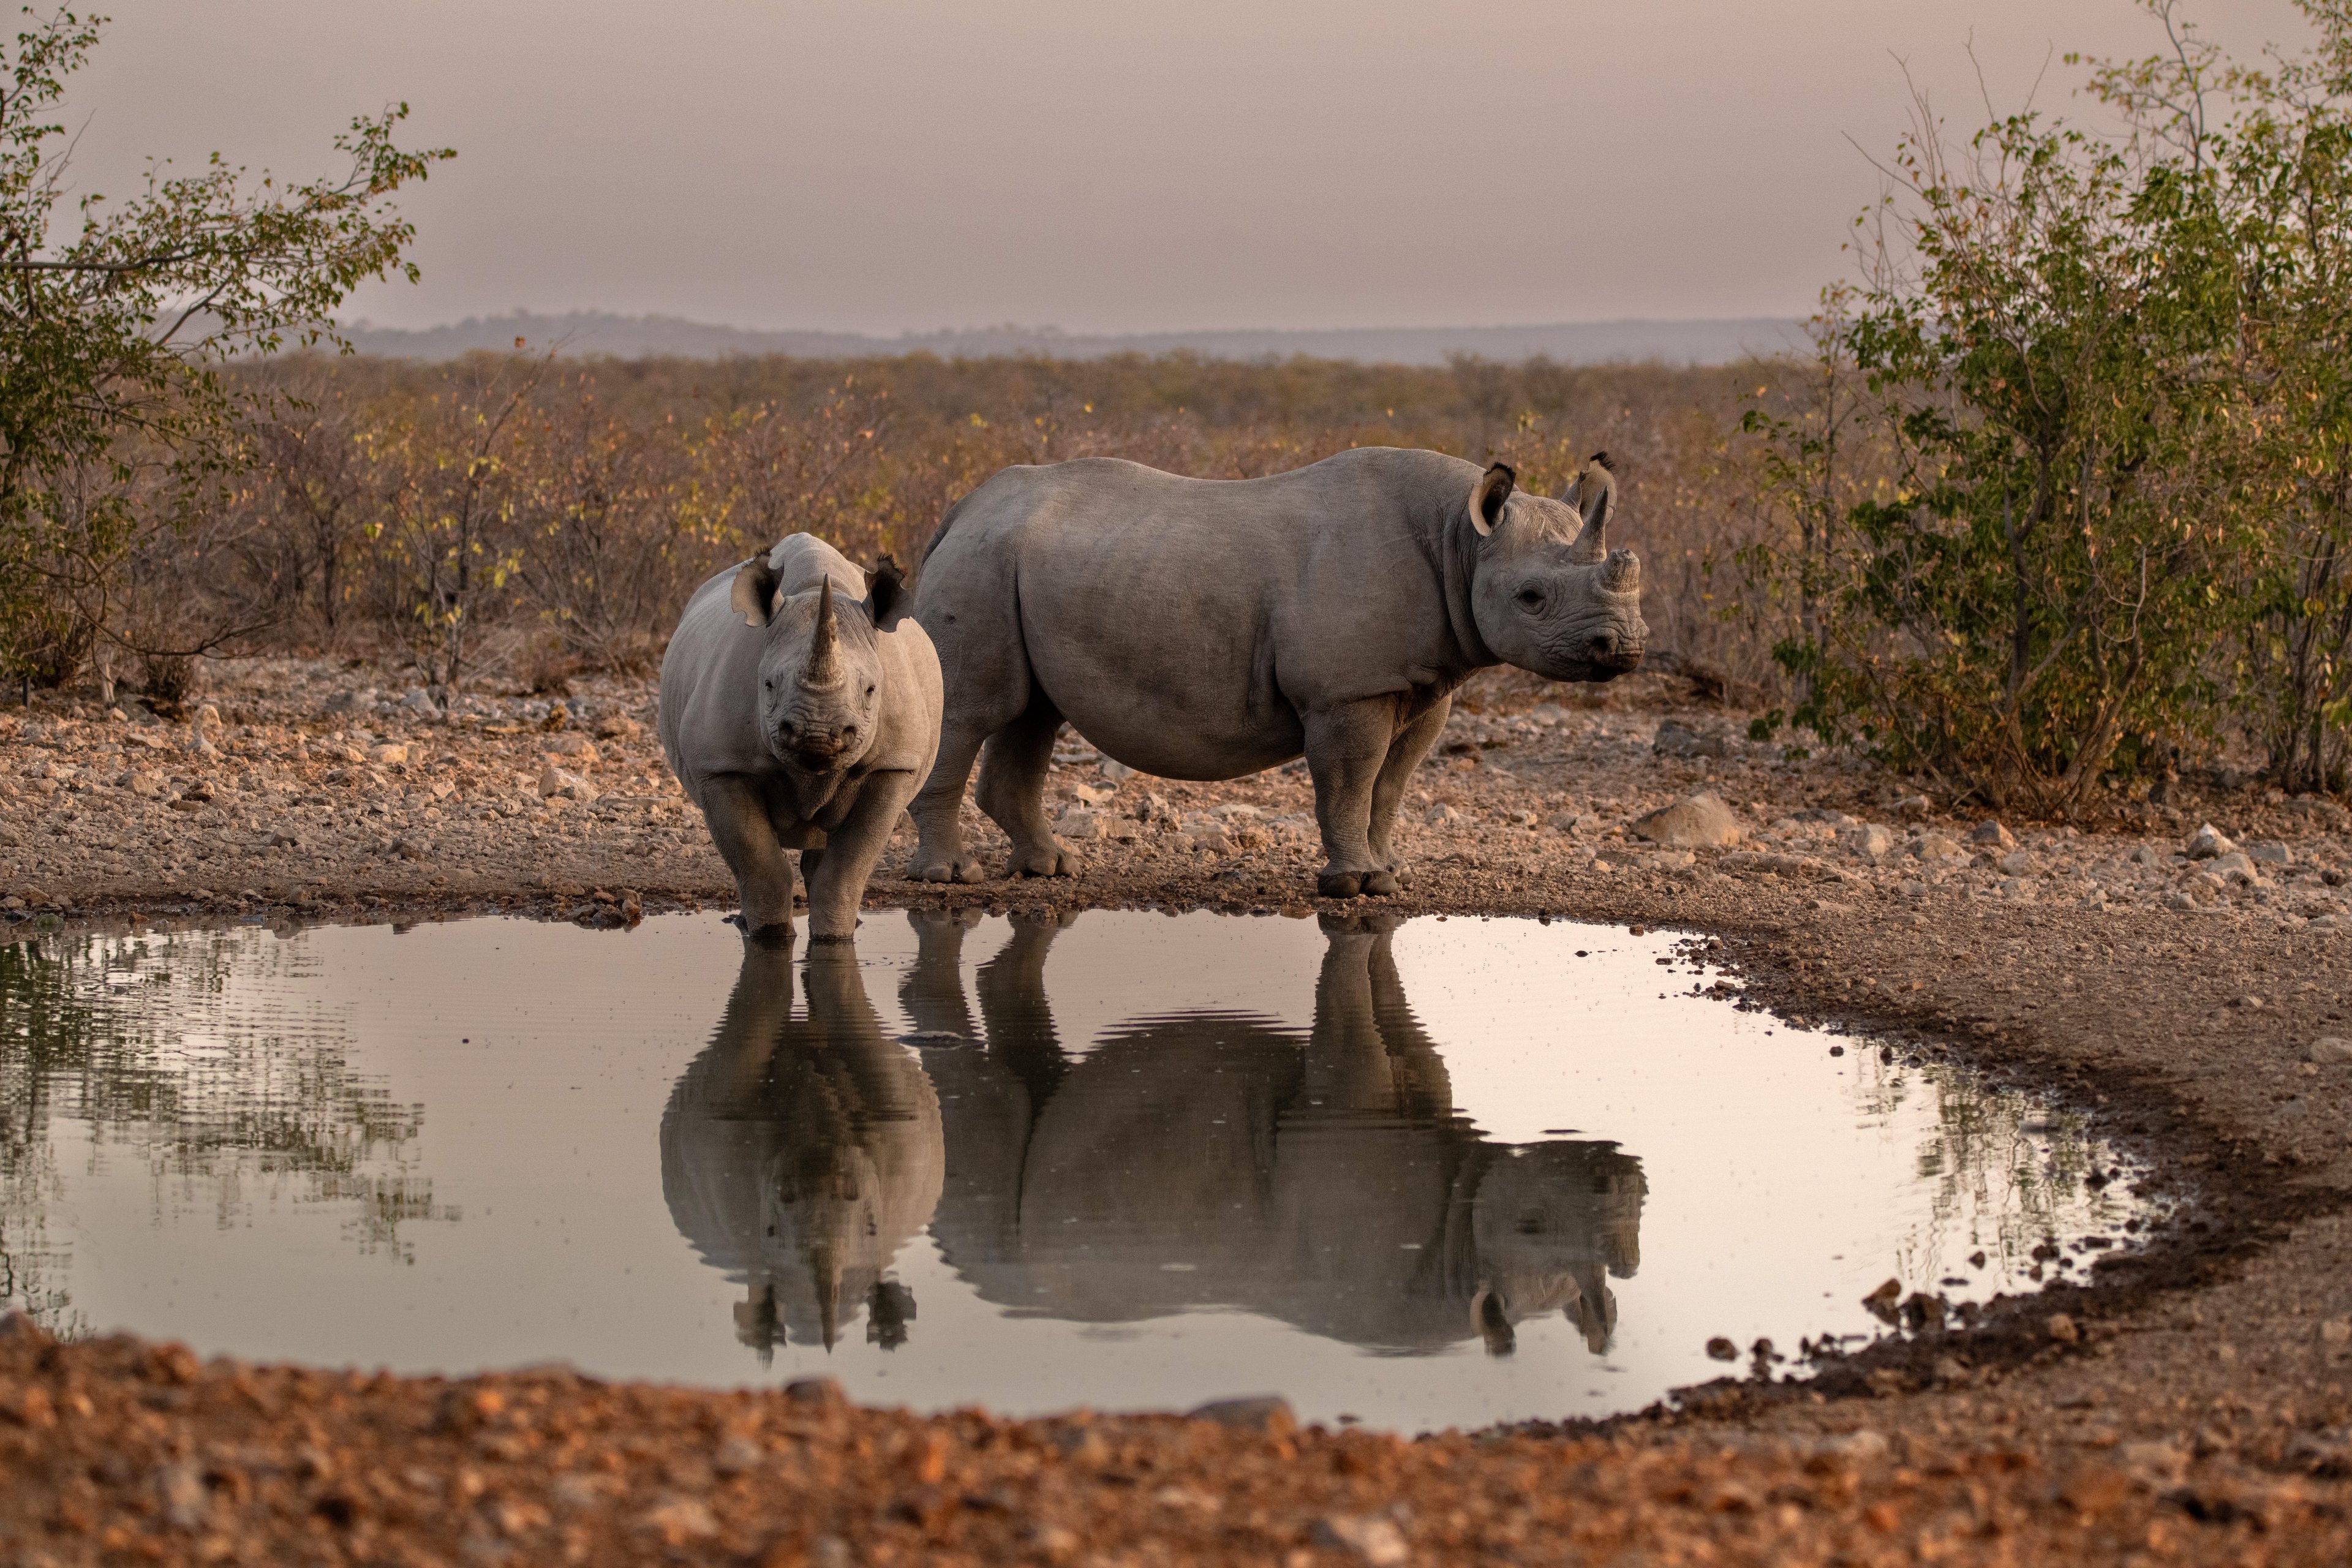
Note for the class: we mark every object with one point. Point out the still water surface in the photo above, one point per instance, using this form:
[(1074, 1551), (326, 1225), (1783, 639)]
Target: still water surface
[(1446, 1173)]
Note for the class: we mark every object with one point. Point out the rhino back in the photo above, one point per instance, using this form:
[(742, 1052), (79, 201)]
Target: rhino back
[(1184, 625)]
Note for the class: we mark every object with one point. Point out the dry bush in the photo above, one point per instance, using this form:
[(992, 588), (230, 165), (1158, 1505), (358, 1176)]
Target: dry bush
[(546, 515)]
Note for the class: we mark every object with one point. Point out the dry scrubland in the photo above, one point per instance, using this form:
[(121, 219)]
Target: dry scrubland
[(527, 518), (352, 758)]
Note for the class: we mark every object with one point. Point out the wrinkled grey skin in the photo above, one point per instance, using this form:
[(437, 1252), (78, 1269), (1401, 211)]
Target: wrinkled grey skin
[(801, 710), (1208, 629)]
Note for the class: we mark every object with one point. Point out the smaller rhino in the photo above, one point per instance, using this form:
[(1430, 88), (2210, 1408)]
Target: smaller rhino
[(800, 709)]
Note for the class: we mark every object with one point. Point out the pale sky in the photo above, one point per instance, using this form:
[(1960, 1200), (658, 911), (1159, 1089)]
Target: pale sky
[(888, 165)]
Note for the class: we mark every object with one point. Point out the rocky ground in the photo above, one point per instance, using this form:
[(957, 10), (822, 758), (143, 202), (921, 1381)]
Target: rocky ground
[(2188, 1401)]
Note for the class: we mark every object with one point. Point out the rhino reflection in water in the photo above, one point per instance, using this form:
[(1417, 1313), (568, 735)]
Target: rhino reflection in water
[(1215, 1159), (1200, 1160), (800, 1153)]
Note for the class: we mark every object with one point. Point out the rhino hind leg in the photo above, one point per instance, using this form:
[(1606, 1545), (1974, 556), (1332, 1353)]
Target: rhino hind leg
[(1013, 791), (940, 853)]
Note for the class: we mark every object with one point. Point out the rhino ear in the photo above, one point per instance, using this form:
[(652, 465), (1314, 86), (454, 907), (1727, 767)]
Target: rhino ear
[(886, 594), (1488, 495), (754, 594)]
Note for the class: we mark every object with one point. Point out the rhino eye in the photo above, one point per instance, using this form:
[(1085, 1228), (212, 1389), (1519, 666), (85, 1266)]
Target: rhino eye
[(869, 688), (1530, 599)]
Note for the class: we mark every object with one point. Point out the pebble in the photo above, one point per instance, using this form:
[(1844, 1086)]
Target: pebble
[(2018, 863), (1992, 833), (2330, 1050), (1699, 822), (1913, 807), (1869, 841), (554, 781), (1080, 825), (1443, 815), (1675, 739), (1370, 1540), (2207, 843), (1267, 1412), (1935, 847)]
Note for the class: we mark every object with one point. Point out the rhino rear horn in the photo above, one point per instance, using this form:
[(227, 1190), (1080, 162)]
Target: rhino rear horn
[(1490, 495), (886, 594), (1595, 497), (754, 594), (824, 665)]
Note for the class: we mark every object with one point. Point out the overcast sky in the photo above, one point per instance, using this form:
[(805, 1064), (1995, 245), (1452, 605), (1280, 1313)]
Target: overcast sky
[(885, 165)]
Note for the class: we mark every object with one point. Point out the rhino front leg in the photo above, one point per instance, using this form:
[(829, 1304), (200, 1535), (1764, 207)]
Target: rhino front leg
[(1013, 792), (851, 852), (1347, 746), (1411, 744), (739, 825)]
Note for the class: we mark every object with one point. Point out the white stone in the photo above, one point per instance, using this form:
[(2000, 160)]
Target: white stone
[(556, 782), (2018, 863), (1700, 822), (1869, 841), (2208, 842)]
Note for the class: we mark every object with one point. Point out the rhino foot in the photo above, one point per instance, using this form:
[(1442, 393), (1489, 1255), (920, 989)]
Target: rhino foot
[(963, 869), (1051, 861), (1375, 884)]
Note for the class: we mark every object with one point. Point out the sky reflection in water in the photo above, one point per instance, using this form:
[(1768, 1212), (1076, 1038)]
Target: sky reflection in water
[(1436, 1174)]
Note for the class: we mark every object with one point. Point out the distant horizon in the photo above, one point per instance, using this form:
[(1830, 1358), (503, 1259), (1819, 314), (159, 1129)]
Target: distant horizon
[(1689, 341), (1044, 329)]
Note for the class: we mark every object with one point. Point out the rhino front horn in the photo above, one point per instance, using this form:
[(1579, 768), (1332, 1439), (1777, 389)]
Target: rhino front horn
[(1595, 497), (824, 666), (1621, 573)]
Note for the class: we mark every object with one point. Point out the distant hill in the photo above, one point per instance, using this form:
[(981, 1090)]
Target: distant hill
[(1568, 343)]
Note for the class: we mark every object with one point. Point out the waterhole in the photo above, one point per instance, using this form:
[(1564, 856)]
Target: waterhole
[(1440, 1172)]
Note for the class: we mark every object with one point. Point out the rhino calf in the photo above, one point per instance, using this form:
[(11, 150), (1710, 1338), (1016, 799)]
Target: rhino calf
[(1208, 629), (800, 709)]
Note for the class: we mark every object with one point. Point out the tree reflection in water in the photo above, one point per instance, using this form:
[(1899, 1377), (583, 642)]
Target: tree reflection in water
[(1199, 1159), (220, 1090)]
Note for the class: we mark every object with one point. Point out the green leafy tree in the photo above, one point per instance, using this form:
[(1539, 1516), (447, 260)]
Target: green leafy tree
[(115, 413), (2103, 376)]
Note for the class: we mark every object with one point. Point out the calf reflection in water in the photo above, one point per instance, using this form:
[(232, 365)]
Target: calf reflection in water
[(800, 1153), (1199, 1159)]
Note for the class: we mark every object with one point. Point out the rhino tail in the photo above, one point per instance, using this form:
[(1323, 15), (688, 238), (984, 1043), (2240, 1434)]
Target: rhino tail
[(941, 533)]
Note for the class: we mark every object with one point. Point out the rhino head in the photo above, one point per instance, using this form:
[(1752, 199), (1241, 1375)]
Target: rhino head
[(1548, 594), (821, 671)]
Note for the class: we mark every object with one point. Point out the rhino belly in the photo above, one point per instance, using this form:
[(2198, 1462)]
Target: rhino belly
[(1161, 662)]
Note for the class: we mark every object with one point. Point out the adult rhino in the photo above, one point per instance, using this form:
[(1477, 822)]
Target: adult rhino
[(800, 709), (1209, 628)]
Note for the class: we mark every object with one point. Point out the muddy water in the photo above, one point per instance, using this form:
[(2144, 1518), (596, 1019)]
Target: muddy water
[(1446, 1173)]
